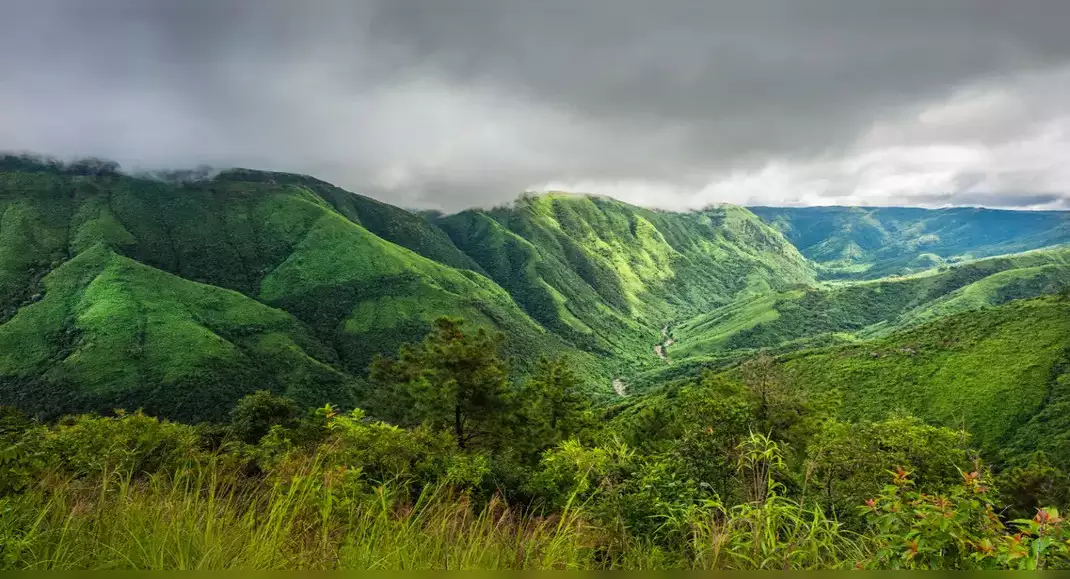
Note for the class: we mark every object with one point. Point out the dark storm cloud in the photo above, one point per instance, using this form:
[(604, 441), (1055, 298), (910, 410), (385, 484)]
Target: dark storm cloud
[(451, 103)]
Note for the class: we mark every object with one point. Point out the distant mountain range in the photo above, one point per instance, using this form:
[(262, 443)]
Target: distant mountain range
[(867, 243)]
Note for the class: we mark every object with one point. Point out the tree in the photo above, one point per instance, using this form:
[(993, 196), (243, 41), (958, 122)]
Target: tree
[(849, 461), (780, 409), (256, 413), (712, 419), (1038, 483), (555, 399), (449, 380)]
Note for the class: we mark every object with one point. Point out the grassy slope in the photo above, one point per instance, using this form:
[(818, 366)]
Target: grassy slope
[(607, 276), (1003, 373), (864, 309), (278, 243), (391, 223), (110, 332), (989, 371), (871, 242)]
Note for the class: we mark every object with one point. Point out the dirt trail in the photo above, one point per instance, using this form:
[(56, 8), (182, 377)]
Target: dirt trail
[(668, 339), (662, 349)]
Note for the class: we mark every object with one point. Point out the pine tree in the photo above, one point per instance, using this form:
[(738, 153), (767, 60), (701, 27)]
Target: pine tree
[(555, 399), (449, 380)]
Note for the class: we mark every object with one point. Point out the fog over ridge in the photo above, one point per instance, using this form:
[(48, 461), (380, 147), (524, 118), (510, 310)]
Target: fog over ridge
[(460, 103)]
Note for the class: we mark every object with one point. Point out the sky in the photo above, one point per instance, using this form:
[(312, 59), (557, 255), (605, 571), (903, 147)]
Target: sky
[(449, 104)]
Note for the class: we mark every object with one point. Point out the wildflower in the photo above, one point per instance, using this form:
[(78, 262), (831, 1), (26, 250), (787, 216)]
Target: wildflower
[(900, 476), (912, 547)]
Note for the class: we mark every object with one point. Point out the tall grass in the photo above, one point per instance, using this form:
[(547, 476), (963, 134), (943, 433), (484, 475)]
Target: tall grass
[(208, 517), (202, 518)]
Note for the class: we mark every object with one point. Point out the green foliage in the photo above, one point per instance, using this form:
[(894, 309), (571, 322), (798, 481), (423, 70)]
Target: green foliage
[(131, 443), (989, 372), (19, 456), (848, 462), (264, 298), (335, 490), (960, 530), (606, 275), (451, 379), (1033, 485), (855, 311), (553, 404), (180, 295), (255, 414)]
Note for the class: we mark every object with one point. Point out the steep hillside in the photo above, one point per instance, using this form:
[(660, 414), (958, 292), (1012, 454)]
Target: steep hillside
[(857, 310), (994, 372), (268, 244), (872, 242), (391, 223), (108, 332), (1003, 373), (182, 293), (607, 275)]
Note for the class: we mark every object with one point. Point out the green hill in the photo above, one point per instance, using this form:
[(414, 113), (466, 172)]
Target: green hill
[(850, 311), (282, 258), (998, 372), (110, 332), (183, 292), (1002, 373), (608, 276), (872, 242)]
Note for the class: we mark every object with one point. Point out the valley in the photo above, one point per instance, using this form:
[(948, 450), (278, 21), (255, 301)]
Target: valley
[(331, 279), (653, 365)]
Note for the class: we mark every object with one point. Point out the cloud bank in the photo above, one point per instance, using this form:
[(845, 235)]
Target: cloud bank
[(456, 103)]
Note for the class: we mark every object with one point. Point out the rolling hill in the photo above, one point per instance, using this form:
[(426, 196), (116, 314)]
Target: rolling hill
[(1002, 373), (857, 310), (179, 293), (996, 372), (872, 242)]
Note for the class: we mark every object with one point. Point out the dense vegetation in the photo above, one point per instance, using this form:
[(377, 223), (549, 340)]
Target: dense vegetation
[(181, 297), (998, 372), (852, 311), (607, 275), (494, 474), (316, 379)]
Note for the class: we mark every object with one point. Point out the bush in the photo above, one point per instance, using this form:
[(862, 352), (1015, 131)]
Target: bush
[(85, 446), (255, 414)]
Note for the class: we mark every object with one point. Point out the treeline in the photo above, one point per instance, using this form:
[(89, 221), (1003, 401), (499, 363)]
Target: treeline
[(98, 167), (454, 465), (90, 166)]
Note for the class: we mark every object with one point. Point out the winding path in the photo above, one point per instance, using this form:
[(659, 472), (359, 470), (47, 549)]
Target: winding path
[(661, 350)]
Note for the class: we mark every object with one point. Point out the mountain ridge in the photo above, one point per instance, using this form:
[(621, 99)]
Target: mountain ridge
[(328, 279)]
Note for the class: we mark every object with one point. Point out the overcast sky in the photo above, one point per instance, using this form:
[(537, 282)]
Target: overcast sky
[(455, 103)]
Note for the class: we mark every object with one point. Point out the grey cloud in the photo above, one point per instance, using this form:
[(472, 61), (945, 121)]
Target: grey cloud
[(1009, 200), (451, 103)]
